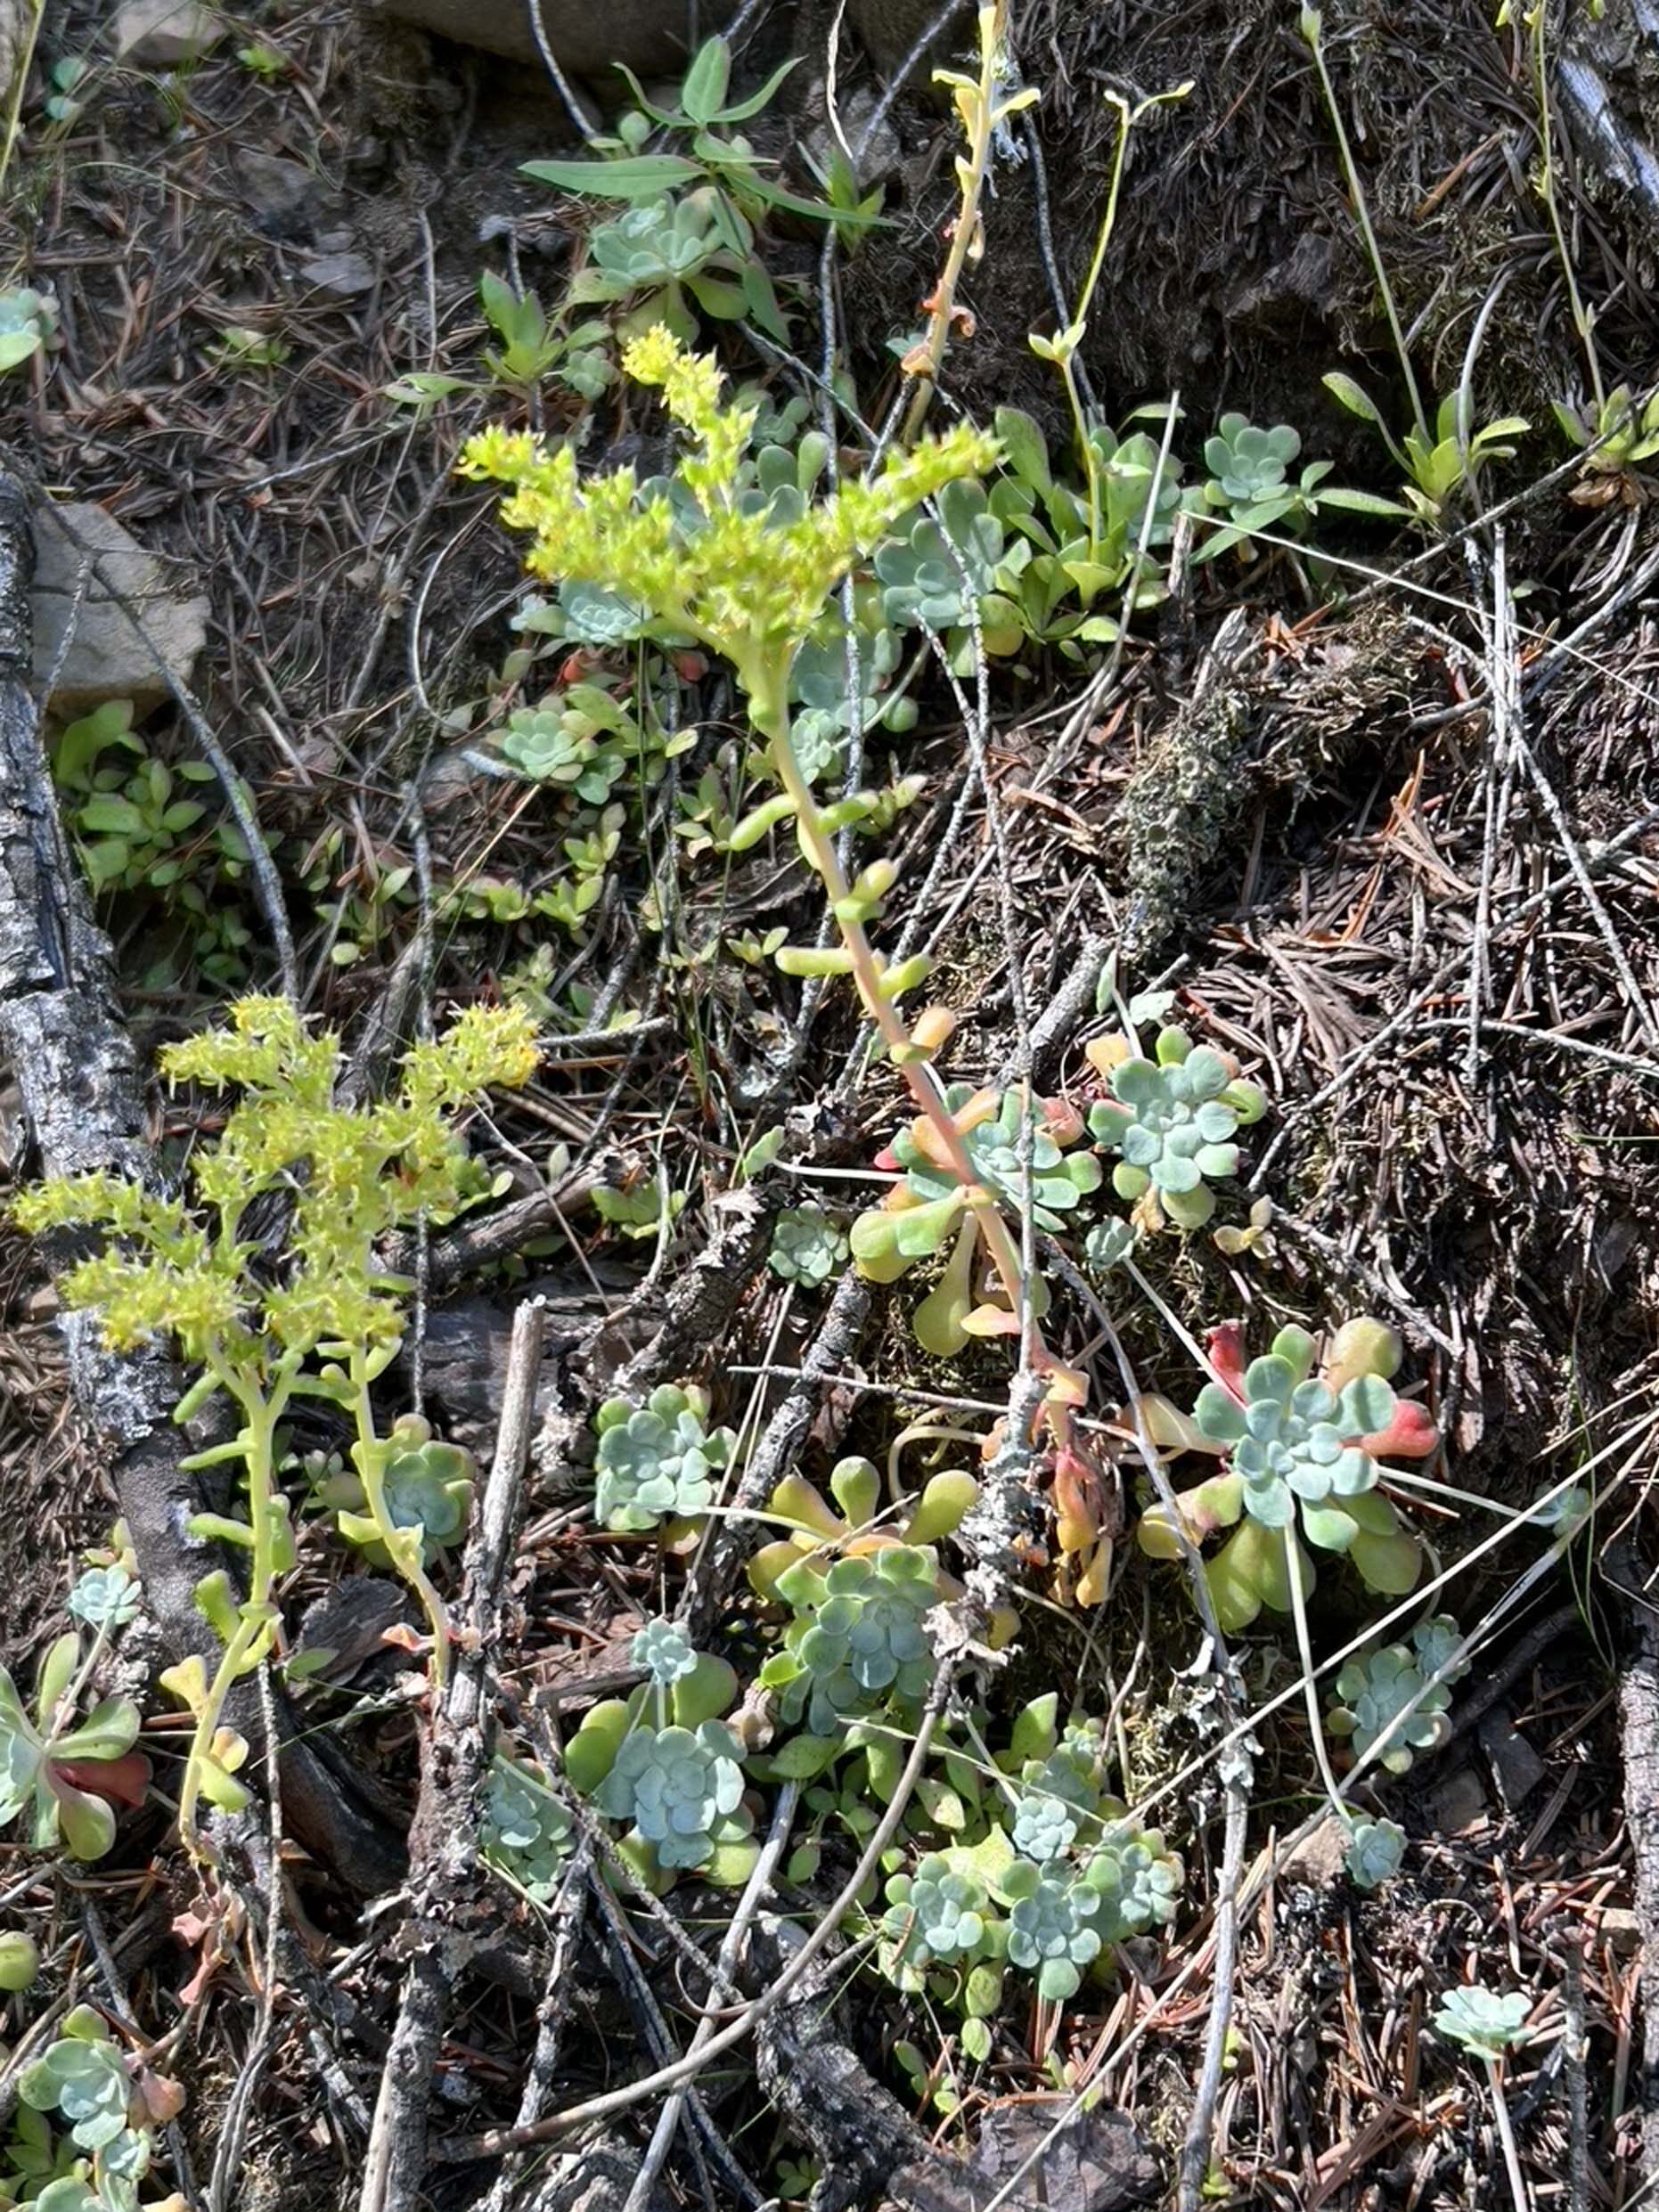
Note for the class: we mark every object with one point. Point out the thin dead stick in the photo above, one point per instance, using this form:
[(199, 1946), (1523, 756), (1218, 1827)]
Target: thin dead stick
[(1503, 688), (731, 1944), (569, 1912), (444, 1832), (1237, 1773)]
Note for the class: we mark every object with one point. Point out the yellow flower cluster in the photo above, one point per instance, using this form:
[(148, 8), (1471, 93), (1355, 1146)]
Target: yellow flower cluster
[(741, 580), (350, 1174)]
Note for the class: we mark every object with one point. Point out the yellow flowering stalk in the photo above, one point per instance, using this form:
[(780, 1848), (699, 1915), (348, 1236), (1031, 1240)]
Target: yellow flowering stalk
[(713, 559), (327, 1322)]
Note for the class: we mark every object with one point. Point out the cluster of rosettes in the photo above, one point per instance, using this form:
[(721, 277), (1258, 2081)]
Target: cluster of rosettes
[(1049, 1893)]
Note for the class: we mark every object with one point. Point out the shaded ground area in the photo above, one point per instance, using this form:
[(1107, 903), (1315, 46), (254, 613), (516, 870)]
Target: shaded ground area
[(1384, 828)]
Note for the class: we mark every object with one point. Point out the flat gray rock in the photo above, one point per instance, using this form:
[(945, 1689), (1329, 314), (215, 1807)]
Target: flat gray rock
[(161, 34), (106, 657)]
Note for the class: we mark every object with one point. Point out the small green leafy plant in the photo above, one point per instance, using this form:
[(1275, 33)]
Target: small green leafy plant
[(711, 250), (808, 1245), (1172, 1121), (1436, 462), (327, 1328), (426, 1489), (1401, 1693), (1302, 1451), (1484, 2022), (657, 1462), (1249, 488), (1616, 435), (139, 834), (1047, 1878)]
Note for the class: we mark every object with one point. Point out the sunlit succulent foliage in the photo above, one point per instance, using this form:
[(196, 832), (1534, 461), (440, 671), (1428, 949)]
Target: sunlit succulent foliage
[(657, 1462), (807, 1245), (1138, 1877), (932, 1205), (524, 1830), (678, 1787), (1247, 463), (936, 1916), (1055, 1804), (1171, 1120), (1053, 1925), (664, 1650), (749, 580), (1484, 2022), (857, 1642), (546, 744), (1376, 1851), (1374, 1689), (104, 1597), (28, 323), (427, 1486), (1302, 1452), (82, 2078), (66, 1774), (820, 1532), (933, 577), (1291, 1437)]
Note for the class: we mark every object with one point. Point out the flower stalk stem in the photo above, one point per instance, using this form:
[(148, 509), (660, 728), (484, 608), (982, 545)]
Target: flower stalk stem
[(769, 712)]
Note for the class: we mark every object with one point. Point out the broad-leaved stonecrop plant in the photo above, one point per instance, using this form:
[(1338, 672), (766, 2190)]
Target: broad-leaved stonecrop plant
[(107, 2109), (934, 1206), (820, 1533), (656, 1463), (1399, 1695), (1172, 1121), (61, 1774), (1302, 1452), (666, 1765), (326, 1326), (750, 577)]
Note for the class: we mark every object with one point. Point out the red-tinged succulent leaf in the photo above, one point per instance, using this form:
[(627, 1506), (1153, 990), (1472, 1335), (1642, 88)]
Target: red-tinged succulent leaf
[(989, 1320), (887, 1160), (1079, 1501), (1411, 1434), (124, 1781), (1062, 1120), (162, 2097), (1230, 1358)]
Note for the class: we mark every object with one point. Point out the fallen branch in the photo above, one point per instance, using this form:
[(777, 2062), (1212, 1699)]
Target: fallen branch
[(443, 1836)]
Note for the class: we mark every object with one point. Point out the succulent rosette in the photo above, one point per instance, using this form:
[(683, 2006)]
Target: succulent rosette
[(1302, 1451)]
